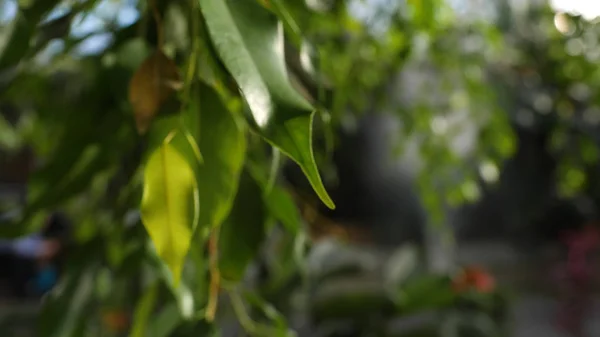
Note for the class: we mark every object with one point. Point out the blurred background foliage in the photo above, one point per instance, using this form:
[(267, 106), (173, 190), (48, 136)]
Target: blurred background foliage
[(461, 83)]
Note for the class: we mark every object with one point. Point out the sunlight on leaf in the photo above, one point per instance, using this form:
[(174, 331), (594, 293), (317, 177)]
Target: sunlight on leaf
[(169, 206), (250, 42)]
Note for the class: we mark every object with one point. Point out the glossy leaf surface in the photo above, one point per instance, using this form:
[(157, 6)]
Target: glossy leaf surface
[(250, 42)]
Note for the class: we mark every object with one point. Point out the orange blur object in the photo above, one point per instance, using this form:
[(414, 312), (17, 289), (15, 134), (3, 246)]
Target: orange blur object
[(474, 278), (115, 321)]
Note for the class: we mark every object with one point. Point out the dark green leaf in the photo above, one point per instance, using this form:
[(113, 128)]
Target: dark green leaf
[(250, 42), (282, 207), (279, 202), (69, 306), (63, 312), (349, 297), (93, 159), (9, 136), (267, 309), (243, 232), (21, 33), (165, 322), (82, 152), (222, 142), (426, 292)]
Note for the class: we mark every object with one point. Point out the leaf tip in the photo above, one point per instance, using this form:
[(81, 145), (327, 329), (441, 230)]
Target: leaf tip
[(176, 271), (328, 202)]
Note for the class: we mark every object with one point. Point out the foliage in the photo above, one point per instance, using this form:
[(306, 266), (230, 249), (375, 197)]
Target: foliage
[(188, 111)]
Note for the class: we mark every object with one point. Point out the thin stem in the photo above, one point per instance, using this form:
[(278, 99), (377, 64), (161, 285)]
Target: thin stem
[(240, 312), (275, 164), (215, 277), (288, 21), (158, 20), (248, 324)]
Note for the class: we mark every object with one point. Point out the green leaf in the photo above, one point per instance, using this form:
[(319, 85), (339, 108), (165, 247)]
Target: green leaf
[(401, 265), (170, 206), (9, 136), (222, 142), (349, 297), (243, 232), (82, 152), (21, 33), (425, 292), (143, 311), (58, 182), (282, 207), (17, 43), (165, 322), (55, 169), (184, 297), (269, 311), (199, 285), (279, 202), (250, 42), (92, 160), (64, 309), (173, 126), (63, 314), (257, 328)]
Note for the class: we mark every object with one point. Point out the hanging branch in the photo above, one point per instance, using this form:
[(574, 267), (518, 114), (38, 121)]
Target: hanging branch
[(158, 20)]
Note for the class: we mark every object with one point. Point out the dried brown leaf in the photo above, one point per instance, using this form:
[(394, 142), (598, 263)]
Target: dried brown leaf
[(151, 86)]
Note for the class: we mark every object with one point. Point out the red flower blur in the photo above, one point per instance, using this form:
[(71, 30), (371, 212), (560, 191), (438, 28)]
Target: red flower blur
[(473, 278)]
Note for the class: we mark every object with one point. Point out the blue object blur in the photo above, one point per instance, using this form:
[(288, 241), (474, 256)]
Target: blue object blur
[(27, 247), (46, 279)]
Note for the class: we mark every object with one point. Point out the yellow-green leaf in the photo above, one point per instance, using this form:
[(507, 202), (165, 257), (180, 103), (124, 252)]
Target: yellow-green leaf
[(250, 42), (172, 126), (170, 206), (143, 311)]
